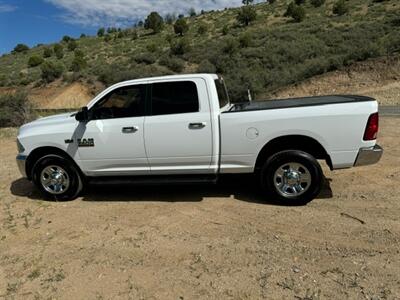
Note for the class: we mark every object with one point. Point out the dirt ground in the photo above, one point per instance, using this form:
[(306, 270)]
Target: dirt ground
[(205, 242)]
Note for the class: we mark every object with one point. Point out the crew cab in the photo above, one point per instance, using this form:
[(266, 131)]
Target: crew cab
[(184, 128)]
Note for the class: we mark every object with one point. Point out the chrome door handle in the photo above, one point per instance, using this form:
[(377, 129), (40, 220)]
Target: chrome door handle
[(132, 129), (197, 125)]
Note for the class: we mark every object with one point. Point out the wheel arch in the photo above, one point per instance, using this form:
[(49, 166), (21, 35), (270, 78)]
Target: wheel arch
[(40, 152), (292, 142)]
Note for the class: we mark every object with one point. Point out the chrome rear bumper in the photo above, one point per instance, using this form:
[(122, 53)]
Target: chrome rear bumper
[(369, 156), (21, 161)]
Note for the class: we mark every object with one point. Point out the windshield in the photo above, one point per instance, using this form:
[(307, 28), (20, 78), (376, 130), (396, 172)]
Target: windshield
[(222, 92)]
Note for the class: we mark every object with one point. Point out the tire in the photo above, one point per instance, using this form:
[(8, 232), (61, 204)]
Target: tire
[(67, 179), (291, 177)]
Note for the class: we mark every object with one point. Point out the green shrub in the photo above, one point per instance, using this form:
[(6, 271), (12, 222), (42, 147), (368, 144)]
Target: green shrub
[(145, 58), (79, 62), (297, 12), (20, 48), (202, 29), (154, 21), (101, 32), (225, 29), (173, 63), (206, 66), (317, 3), (152, 47), (35, 61), (245, 40), (246, 15), (67, 39), (72, 45), (230, 46), (47, 52), (59, 51), (181, 27), (180, 47), (340, 8), (51, 71), (15, 110)]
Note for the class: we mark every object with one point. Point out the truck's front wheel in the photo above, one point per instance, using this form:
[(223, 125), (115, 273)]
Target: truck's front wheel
[(57, 178), (291, 177)]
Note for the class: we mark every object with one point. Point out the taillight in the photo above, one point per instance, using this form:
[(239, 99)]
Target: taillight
[(371, 132)]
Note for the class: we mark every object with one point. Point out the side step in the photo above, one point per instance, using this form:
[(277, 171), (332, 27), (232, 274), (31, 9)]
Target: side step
[(154, 180)]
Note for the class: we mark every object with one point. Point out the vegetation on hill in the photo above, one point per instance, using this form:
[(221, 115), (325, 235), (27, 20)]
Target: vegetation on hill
[(258, 46)]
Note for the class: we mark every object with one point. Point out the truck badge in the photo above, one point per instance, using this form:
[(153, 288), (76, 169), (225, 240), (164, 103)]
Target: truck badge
[(85, 142)]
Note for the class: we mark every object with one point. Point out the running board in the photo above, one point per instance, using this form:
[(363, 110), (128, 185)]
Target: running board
[(154, 180)]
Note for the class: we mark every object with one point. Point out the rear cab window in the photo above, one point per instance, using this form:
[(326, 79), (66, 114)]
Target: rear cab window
[(223, 96), (177, 97)]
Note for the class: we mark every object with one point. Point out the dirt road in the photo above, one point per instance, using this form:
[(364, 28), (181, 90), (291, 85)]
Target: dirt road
[(205, 242)]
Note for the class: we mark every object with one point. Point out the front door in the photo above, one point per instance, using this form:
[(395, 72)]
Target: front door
[(111, 143), (178, 131)]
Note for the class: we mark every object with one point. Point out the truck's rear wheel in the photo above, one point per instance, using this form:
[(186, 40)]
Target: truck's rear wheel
[(291, 177), (57, 178)]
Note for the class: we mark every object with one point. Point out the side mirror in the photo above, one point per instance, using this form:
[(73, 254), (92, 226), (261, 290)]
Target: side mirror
[(82, 115)]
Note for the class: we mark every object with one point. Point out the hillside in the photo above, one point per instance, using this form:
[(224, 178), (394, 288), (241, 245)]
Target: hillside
[(273, 52)]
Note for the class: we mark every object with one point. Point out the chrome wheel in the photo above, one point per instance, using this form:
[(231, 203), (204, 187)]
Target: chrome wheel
[(54, 180), (292, 179)]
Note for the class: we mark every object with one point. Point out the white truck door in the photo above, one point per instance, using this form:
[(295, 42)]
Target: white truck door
[(178, 131), (112, 142)]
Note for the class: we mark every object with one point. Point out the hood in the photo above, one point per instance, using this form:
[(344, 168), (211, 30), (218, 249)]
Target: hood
[(60, 119)]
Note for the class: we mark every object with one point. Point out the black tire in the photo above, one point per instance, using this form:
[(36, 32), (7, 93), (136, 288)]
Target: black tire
[(75, 182), (270, 178)]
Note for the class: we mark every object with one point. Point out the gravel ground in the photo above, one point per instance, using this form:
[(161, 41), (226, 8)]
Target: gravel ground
[(204, 242)]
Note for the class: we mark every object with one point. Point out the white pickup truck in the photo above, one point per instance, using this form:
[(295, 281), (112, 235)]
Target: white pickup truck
[(184, 129)]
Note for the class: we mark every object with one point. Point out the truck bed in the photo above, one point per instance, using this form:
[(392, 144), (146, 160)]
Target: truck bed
[(297, 102)]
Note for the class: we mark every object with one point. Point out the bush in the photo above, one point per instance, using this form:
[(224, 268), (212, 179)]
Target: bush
[(245, 40), (202, 29), (72, 45), (101, 32), (173, 63), (181, 27), (206, 67), (67, 38), (145, 58), (230, 46), (340, 8), (15, 110), (296, 12), (51, 71), (35, 61), (225, 30), (59, 51), (20, 48), (317, 3), (300, 2), (47, 52), (180, 47), (246, 15), (299, 13), (154, 21), (79, 62)]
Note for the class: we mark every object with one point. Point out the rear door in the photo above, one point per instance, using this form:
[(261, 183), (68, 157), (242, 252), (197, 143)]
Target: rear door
[(178, 131)]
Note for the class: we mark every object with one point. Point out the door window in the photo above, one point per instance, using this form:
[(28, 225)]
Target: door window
[(174, 98), (123, 102)]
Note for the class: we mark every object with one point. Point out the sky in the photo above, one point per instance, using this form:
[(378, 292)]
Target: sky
[(45, 21)]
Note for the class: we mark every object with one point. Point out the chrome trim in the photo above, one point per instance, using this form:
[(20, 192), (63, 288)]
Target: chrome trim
[(369, 156), (21, 162), (292, 179)]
